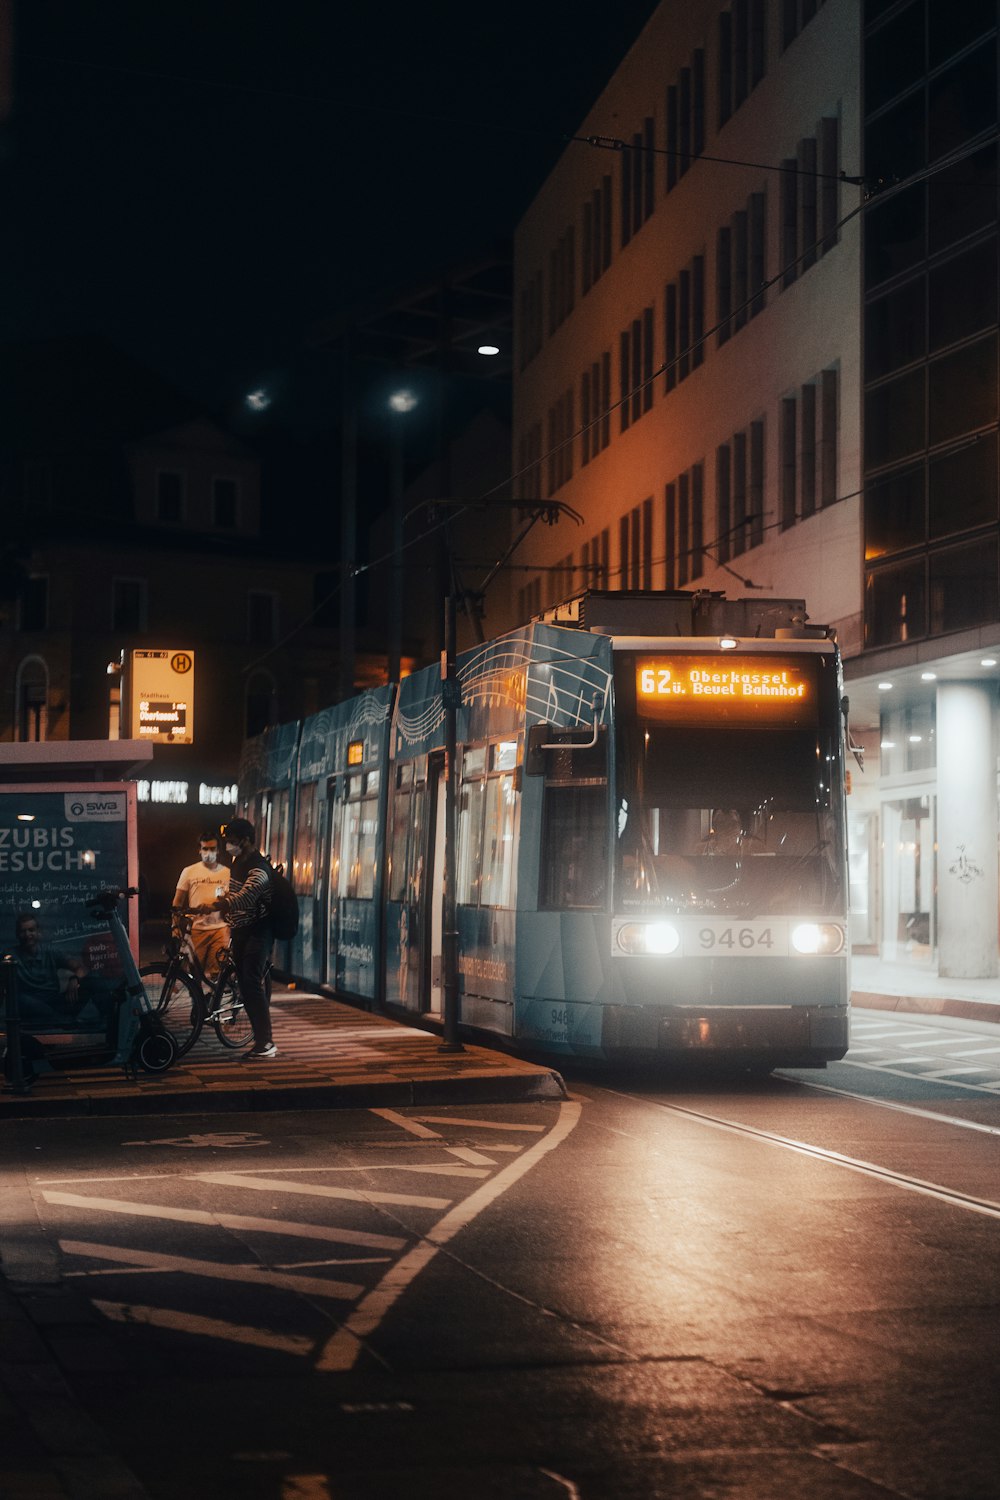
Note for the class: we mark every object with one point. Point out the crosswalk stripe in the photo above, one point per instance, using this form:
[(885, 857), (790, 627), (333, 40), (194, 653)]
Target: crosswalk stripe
[(211, 1328), (308, 1286), (245, 1222), (314, 1190)]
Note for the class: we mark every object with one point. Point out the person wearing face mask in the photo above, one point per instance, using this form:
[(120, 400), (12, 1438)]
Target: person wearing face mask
[(247, 908), (199, 888)]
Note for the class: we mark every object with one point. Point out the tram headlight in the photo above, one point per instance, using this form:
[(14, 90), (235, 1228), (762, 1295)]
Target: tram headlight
[(817, 937), (656, 938)]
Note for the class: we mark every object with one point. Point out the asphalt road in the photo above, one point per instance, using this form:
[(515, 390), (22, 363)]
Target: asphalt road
[(662, 1287)]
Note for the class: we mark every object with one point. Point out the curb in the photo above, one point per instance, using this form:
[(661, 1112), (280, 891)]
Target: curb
[(394, 1094), (928, 1005)]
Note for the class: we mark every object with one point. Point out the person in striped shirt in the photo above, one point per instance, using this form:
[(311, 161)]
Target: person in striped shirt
[(246, 906)]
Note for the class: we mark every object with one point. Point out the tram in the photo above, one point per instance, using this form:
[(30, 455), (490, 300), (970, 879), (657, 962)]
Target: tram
[(651, 855)]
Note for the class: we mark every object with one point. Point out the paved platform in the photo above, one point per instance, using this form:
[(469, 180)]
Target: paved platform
[(330, 1055), (916, 989)]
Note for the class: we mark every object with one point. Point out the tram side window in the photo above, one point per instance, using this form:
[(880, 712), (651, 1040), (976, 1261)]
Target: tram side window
[(498, 837), (574, 854), (472, 795), (357, 869), (401, 812), (305, 840), (277, 851), (336, 834)]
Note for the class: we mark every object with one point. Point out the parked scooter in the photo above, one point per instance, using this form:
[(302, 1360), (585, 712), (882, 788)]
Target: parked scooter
[(135, 1036)]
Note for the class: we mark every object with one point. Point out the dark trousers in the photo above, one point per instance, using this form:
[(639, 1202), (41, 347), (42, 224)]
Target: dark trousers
[(251, 948)]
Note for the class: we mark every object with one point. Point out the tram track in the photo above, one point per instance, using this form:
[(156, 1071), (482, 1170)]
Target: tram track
[(902, 1180), (905, 1109)]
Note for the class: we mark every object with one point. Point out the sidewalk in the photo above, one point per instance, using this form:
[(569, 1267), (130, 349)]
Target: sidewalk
[(330, 1056), (914, 990)]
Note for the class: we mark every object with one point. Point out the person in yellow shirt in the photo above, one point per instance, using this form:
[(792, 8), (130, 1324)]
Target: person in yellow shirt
[(199, 887)]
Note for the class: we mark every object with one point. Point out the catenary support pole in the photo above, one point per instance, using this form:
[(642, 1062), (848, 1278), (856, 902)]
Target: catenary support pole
[(451, 693)]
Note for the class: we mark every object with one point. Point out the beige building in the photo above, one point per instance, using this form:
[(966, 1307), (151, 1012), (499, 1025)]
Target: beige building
[(749, 372), (688, 331)]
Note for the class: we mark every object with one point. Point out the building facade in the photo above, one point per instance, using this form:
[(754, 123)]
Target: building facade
[(130, 531), (756, 350)]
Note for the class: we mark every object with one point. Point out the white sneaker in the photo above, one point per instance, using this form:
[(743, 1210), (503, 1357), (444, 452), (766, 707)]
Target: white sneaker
[(267, 1049)]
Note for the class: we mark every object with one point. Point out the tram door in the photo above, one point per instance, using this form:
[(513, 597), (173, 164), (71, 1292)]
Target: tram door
[(435, 893)]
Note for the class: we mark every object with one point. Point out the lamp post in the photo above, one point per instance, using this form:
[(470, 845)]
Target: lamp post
[(400, 402), (451, 695)]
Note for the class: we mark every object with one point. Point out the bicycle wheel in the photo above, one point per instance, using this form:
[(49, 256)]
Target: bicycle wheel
[(176, 999), (156, 1051), (229, 1016)]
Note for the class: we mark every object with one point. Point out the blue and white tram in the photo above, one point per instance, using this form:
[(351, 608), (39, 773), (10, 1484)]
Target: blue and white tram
[(651, 852)]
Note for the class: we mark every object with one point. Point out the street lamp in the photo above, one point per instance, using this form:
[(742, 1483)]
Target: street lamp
[(400, 402)]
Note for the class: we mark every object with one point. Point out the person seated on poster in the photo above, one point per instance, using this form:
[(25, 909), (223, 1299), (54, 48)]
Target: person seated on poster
[(43, 994), (102, 981), (199, 888)]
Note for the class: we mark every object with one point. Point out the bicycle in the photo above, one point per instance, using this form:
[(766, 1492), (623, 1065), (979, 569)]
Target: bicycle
[(185, 998)]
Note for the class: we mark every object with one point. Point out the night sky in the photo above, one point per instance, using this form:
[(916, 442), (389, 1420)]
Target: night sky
[(200, 183)]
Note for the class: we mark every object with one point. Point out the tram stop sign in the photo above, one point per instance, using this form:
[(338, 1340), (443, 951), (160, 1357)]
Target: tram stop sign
[(162, 696)]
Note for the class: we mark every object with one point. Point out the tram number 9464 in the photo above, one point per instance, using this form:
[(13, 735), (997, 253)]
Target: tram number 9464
[(739, 940)]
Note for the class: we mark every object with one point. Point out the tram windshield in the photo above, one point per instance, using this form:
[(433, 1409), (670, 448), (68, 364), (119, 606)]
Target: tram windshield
[(741, 821)]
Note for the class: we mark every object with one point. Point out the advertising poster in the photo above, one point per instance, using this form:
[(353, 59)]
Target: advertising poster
[(59, 846)]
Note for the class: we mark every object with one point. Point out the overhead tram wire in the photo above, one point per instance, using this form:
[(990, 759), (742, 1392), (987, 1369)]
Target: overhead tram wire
[(891, 190), (596, 140)]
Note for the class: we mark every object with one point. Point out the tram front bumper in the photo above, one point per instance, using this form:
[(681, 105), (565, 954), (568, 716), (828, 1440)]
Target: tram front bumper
[(787, 1035)]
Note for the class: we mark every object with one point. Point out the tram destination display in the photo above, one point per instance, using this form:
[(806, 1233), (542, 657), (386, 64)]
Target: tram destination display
[(769, 691)]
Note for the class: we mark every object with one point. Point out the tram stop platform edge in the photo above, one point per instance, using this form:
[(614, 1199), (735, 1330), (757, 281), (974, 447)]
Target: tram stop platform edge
[(331, 1055)]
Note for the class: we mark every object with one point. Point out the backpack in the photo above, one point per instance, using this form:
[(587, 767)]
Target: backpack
[(284, 904)]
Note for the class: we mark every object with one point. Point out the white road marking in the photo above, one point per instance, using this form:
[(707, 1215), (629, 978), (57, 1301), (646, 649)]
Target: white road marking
[(112, 1177), (478, 1124), (951, 1070), (243, 1222), (906, 1109), (357, 1260), (404, 1123), (974, 1051), (307, 1286), (970, 1088), (567, 1484), (211, 1328), (941, 1041), (315, 1190), (465, 1153), (224, 1138), (341, 1351)]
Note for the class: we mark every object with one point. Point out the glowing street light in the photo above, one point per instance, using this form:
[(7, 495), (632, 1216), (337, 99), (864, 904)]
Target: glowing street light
[(488, 349), (258, 400), (402, 401)]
